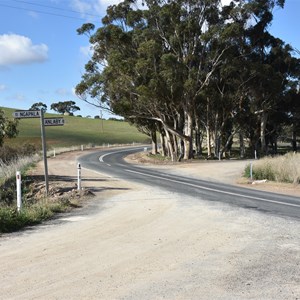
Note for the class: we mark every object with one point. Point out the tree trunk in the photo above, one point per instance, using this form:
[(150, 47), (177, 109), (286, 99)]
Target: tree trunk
[(242, 145), (227, 145), (170, 146), (263, 125), (163, 145), (198, 137), (217, 138), (294, 139), (208, 132), (154, 142), (188, 142), (208, 141)]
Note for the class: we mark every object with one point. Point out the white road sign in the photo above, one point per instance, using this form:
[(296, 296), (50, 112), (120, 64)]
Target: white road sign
[(54, 121), (27, 114)]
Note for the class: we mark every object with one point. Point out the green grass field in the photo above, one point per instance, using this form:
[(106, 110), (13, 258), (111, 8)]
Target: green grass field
[(76, 131)]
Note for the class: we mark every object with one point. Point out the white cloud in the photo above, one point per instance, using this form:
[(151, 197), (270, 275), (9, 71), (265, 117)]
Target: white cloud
[(92, 8), (17, 49), (33, 14), (86, 51), (83, 7), (17, 96), (63, 92), (2, 87)]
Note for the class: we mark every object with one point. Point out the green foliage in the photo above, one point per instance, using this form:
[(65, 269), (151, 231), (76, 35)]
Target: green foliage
[(7, 191), (39, 106), (76, 131), (180, 63), (65, 107), (12, 220), (8, 128)]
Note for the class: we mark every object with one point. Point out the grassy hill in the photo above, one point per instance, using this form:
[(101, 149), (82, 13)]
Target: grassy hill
[(76, 131)]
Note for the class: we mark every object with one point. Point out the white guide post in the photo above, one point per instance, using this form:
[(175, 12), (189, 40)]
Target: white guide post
[(78, 177), (19, 191)]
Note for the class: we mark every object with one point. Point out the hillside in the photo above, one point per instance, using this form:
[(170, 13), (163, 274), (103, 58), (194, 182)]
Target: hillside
[(76, 131)]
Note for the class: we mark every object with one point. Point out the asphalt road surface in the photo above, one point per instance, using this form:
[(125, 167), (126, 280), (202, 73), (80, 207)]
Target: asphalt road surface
[(111, 162)]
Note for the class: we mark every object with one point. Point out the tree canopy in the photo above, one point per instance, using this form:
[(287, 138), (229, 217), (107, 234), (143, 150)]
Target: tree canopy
[(65, 107), (8, 128), (193, 69), (38, 106)]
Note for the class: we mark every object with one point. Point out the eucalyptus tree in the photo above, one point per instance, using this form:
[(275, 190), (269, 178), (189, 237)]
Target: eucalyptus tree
[(38, 106), (65, 107), (8, 128), (185, 66), (153, 63)]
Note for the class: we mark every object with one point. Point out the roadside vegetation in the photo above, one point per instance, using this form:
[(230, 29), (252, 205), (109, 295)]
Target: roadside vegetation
[(285, 168), (23, 151), (76, 131)]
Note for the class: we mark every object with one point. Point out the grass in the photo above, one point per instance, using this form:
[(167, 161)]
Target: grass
[(76, 131), (285, 168), (12, 220), (8, 171)]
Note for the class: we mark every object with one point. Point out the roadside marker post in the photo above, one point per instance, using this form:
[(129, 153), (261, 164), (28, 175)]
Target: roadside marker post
[(19, 191), (79, 177)]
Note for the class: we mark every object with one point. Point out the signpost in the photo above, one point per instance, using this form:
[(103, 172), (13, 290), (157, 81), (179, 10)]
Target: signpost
[(54, 121), (27, 114), (44, 122)]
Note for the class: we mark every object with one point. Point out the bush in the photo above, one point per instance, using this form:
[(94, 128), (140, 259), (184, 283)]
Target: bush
[(284, 168), (9, 154), (12, 220), (8, 191)]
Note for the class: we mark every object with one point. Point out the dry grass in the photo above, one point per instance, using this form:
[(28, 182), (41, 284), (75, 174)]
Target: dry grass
[(9, 170), (284, 168)]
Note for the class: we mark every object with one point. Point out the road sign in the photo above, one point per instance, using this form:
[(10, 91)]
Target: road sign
[(54, 121), (27, 114)]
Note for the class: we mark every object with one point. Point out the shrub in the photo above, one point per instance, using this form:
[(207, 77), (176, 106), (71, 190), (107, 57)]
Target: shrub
[(284, 168), (9, 154), (12, 220)]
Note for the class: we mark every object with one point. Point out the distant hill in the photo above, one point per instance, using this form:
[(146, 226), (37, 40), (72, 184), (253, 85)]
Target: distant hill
[(76, 131)]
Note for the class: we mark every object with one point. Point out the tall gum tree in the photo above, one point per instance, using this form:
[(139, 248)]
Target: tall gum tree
[(184, 65)]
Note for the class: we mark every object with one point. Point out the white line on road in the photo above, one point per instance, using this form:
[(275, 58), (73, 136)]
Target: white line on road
[(106, 154), (215, 190)]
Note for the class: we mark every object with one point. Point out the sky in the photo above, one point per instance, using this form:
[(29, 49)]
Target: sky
[(42, 57)]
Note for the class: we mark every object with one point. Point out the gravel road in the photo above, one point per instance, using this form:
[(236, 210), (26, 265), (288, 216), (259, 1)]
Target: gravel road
[(137, 242)]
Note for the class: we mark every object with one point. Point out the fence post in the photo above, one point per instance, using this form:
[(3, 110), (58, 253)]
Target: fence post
[(19, 191)]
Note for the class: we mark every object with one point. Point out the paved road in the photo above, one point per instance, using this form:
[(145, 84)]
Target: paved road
[(111, 162)]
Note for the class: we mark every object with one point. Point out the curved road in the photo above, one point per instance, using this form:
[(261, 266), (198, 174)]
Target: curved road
[(111, 162)]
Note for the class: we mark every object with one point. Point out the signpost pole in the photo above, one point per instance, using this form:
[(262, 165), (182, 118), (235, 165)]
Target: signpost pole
[(44, 152)]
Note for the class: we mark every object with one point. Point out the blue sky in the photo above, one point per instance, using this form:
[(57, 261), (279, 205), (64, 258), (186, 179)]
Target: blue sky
[(42, 58)]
